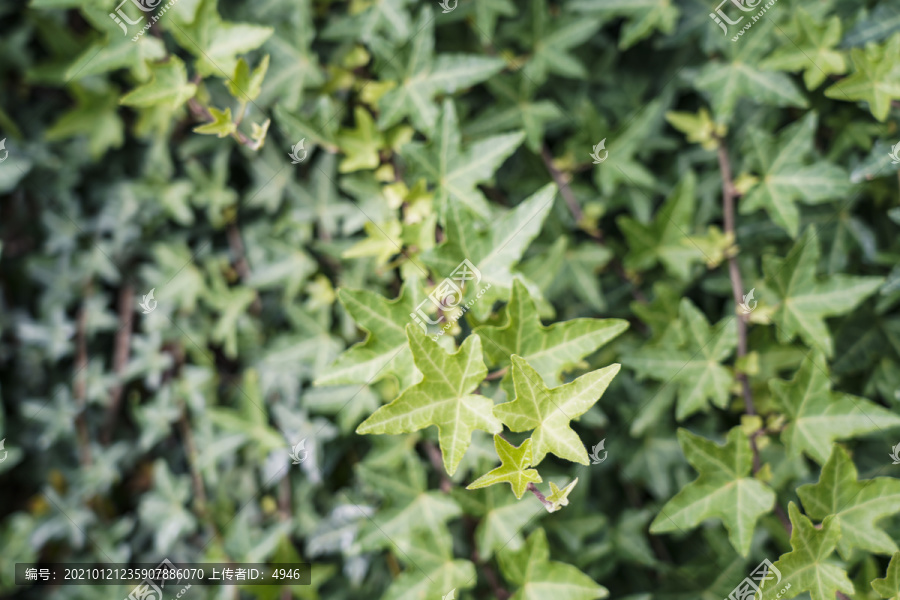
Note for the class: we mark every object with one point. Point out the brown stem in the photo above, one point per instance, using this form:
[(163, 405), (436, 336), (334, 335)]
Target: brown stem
[(79, 386), (437, 461), (561, 183), (533, 489), (496, 374), (737, 290), (120, 358)]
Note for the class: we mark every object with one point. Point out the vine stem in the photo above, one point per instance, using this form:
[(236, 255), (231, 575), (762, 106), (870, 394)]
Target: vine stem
[(120, 358), (79, 386), (533, 489), (737, 290)]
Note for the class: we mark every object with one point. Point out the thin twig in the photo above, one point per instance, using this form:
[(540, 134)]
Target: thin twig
[(240, 261), (120, 358), (737, 290), (496, 374), (533, 489), (562, 184)]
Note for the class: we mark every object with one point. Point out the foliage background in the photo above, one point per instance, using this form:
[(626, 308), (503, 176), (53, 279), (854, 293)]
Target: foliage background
[(134, 437)]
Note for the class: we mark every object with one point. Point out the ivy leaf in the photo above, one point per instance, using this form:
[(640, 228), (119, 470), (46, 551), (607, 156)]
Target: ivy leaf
[(385, 16), (549, 350), (817, 416), (168, 88), (216, 43), (857, 506), (801, 301), (493, 247), (360, 144), (431, 569), (409, 507), (513, 469), (643, 16), (665, 240), (540, 578), (222, 124), (560, 497), (385, 350), (784, 179), (692, 360), (454, 172), (806, 568), (425, 76), (443, 398), (247, 86), (724, 490), (739, 76), (551, 44), (813, 50), (548, 411), (95, 116), (889, 586), (500, 518), (876, 77)]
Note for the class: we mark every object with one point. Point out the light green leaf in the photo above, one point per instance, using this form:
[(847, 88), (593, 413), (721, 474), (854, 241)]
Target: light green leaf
[(560, 497), (812, 51), (443, 398), (806, 567), (856, 505), (724, 490), (693, 360), (385, 350), (168, 88), (548, 411), (492, 247), (875, 79), (889, 586), (549, 350), (643, 16), (801, 301), (513, 469), (540, 578), (817, 416), (222, 124), (361, 144), (244, 85)]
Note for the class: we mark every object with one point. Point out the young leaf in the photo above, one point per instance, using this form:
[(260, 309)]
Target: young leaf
[(443, 398), (805, 568), (549, 350), (813, 50), (513, 469), (540, 578), (856, 505), (494, 247), (454, 172), (876, 78), (889, 586), (169, 87), (222, 124), (548, 411), (560, 497), (692, 360), (802, 301), (244, 85), (724, 490), (817, 416), (360, 144), (385, 350)]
